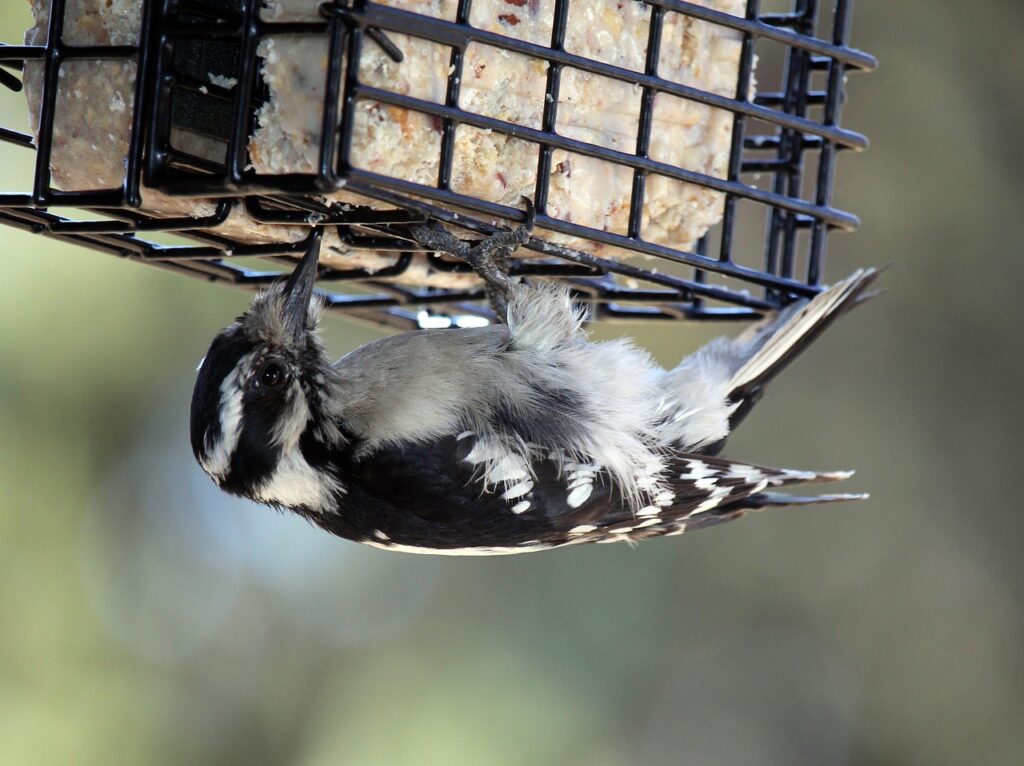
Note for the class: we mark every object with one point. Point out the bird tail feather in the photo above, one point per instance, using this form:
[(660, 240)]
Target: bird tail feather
[(769, 346), (711, 391), (703, 484), (706, 491), (762, 501), (730, 490)]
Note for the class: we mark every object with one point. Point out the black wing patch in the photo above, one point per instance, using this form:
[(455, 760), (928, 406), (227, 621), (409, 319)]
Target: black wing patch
[(439, 497), (459, 493)]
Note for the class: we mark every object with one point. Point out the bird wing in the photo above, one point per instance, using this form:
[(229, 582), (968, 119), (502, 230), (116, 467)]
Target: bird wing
[(433, 497)]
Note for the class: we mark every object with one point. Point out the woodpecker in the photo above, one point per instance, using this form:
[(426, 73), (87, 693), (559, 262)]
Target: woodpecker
[(509, 438)]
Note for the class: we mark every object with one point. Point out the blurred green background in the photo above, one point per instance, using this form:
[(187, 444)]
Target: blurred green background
[(149, 619)]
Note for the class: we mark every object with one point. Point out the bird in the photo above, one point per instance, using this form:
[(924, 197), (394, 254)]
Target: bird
[(518, 436)]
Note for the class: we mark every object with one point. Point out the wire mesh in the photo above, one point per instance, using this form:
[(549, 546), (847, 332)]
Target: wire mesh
[(784, 142)]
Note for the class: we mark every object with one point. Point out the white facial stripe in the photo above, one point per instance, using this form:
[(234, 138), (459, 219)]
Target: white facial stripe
[(217, 462), (296, 483), (289, 427)]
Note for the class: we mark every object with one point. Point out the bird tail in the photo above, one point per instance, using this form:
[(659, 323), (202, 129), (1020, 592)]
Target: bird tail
[(702, 483), (763, 500), (710, 392), (710, 491), (767, 348)]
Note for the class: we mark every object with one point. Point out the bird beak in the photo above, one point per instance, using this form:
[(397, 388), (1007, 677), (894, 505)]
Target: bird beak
[(298, 290)]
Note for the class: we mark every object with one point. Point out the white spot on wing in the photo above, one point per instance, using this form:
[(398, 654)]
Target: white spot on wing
[(648, 478), (509, 468), (698, 469), (484, 452), (717, 495), (748, 473), (579, 495), (517, 490), (665, 498), (646, 482), (501, 466), (708, 485)]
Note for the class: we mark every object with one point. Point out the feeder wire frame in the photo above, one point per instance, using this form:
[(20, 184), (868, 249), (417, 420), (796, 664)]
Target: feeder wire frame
[(612, 288)]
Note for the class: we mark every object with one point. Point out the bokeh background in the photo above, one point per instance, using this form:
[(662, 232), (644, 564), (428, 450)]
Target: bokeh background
[(149, 619)]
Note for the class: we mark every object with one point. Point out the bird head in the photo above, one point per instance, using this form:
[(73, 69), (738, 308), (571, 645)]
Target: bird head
[(258, 420)]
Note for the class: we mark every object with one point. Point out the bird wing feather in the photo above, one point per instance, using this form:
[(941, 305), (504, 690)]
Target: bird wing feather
[(431, 497)]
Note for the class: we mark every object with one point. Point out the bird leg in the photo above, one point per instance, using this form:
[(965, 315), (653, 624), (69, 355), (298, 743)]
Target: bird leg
[(488, 257)]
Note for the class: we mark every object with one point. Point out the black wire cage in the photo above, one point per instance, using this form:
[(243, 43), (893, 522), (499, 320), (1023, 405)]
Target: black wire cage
[(196, 66)]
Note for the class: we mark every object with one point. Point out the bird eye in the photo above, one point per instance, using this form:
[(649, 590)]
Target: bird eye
[(271, 375)]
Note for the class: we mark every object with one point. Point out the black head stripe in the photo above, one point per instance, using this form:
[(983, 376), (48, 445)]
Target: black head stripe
[(224, 354), (255, 457)]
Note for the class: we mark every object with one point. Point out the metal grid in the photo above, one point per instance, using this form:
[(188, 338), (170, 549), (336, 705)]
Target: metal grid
[(774, 137)]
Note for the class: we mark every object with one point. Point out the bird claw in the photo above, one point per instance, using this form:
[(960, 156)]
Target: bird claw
[(488, 257)]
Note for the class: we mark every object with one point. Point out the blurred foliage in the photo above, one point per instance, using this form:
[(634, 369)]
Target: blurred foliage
[(149, 619)]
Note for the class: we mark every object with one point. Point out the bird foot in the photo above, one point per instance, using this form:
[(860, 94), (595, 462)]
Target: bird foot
[(488, 257)]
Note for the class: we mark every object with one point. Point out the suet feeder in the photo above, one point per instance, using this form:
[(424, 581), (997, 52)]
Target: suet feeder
[(681, 155)]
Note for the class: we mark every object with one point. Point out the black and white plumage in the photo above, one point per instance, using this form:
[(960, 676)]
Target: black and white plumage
[(500, 439)]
